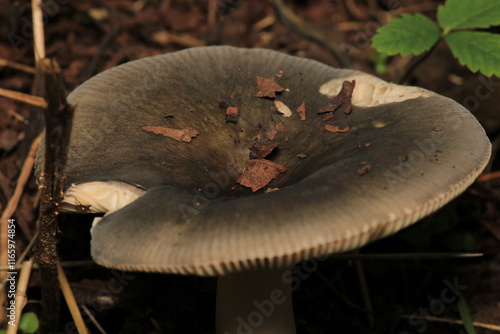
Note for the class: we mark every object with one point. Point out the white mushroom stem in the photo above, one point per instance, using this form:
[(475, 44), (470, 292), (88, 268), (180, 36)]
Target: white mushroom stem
[(255, 302)]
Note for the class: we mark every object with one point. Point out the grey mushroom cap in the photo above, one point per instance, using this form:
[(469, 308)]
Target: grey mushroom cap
[(193, 218)]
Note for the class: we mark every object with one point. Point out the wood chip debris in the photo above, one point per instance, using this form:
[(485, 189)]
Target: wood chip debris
[(232, 114), (343, 98), (365, 169), (267, 87), (259, 150), (258, 173), (334, 128), (182, 135), (302, 111), (282, 108)]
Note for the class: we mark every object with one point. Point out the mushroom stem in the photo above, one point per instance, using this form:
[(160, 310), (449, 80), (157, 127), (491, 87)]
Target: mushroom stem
[(255, 302)]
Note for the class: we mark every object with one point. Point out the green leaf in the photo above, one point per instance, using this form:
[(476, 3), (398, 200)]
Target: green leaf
[(479, 51), (408, 34), (461, 14), (463, 309), (28, 323)]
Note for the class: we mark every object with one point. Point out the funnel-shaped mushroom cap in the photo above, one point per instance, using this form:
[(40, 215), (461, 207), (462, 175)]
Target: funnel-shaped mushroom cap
[(163, 124)]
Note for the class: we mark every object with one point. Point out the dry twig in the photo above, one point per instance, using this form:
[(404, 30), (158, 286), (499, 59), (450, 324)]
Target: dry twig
[(58, 120), (26, 98), (70, 301), (295, 23)]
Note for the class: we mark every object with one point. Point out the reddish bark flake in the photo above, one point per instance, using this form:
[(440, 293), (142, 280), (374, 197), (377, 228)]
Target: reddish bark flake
[(183, 135), (271, 134), (343, 98), (258, 173), (232, 114), (368, 145), (267, 87), (328, 116), (280, 74), (259, 151), (365, 169), (281, 128), (334, 128), (302, 111)]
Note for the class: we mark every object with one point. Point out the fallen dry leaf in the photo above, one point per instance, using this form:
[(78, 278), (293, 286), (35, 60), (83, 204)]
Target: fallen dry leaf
[(259, 151), (302, 111), (283, 108), (365, 169), (232, 114), (334, 128), (267, 87), (183, 135), (258, 173), (342, 98)]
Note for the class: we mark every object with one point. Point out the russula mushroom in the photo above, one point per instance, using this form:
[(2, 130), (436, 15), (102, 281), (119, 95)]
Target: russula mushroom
[(416, 151)]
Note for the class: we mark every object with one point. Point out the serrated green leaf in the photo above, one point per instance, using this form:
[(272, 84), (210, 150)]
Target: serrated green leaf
[(463, 309), (28, 323), (408, 34), (479, 51), (461, 14)]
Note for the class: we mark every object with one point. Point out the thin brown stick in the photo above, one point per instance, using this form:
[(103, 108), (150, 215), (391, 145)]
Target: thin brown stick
[(488, 177), (453, 321), (295, 23), (17, 66), (93, 319), (404, 256), (103, 45), (212, 10), (58, 120), (38, 32), (21, 297), (365, 292), (70, 301), (14, 201), (65, 264), (26, 98)]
